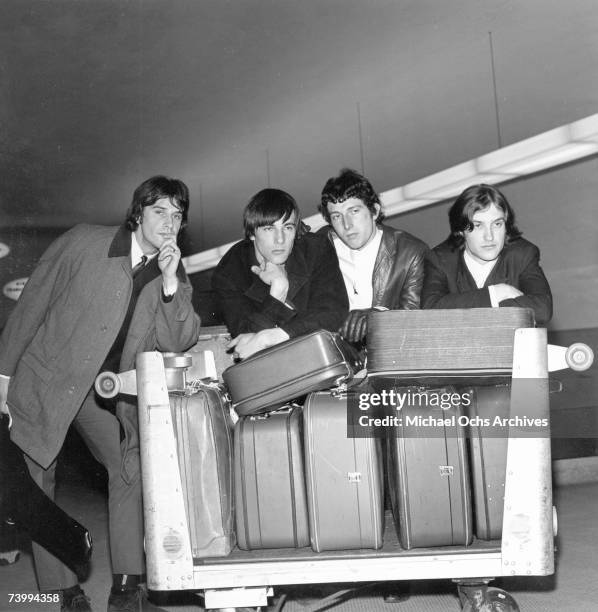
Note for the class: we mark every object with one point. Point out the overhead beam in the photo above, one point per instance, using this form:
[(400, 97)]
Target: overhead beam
[(550, 149)]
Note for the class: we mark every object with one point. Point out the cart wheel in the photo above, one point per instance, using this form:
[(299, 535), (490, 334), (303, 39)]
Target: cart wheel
[(107, 385), (579, 356), (495, 600)]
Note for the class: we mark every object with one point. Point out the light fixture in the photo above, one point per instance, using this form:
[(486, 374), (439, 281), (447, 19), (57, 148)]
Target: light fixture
[(547, 150)]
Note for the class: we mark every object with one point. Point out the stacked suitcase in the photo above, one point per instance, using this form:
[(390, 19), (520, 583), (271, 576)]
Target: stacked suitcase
[(446, 488), (287, 458), (295, 477)]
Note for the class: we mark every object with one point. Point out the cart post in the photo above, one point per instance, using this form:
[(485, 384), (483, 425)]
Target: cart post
[(167, 543), (527, 537)]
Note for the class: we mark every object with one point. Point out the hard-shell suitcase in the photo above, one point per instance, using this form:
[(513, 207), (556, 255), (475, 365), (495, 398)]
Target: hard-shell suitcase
[(432, 343), (204, 445), (210, 355), (270, 500), (283, 372), (428, 472), (345, 482), (488, 458)]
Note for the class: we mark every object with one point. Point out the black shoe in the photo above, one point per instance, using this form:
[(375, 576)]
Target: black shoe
[(396, 592), (131, 600), (396, 597), (75, 600)]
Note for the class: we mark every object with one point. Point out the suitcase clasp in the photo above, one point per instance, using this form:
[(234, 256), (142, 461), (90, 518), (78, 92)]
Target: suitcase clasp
[(446, 470), (354, 476)]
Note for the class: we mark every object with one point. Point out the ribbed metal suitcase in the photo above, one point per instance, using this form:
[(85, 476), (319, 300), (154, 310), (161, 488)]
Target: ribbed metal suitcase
[(428, 474), (488, 457), (428, 343), (276, 375), (344, 478), (270, 499), (203, 433)]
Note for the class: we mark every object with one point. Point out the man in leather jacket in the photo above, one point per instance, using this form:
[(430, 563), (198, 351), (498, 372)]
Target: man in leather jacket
[(383, 267)]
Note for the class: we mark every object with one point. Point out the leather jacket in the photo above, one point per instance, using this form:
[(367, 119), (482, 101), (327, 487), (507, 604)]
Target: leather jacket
[(398, 270)]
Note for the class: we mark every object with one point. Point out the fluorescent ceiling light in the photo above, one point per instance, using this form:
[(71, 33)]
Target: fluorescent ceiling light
[(547, 150)]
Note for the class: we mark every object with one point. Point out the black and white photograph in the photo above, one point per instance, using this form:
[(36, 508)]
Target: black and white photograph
[(298, 305)]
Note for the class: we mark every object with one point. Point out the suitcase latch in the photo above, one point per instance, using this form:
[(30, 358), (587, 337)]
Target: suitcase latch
[(354, 476), (446, 470)]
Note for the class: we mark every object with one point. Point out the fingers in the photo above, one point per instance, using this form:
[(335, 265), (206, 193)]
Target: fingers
[(357, 323), (355, 326), (344, 329), (233, 343), (240, 345), (168, 249), (363, 327)]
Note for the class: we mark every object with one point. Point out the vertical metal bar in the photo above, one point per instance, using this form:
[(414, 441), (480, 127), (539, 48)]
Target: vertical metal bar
[(495, 91), (360, 136)]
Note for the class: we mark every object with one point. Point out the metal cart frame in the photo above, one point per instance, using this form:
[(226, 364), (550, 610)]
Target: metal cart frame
[(246, 579)]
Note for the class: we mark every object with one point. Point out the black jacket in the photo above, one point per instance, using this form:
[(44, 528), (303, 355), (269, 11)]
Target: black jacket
[(398, 273), (316, 290), (449, 284)]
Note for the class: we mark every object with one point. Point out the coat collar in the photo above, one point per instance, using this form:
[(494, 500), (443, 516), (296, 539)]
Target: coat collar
[(121, 243), (121, 247)]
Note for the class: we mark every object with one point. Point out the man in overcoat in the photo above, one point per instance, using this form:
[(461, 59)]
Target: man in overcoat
[(98, 296)]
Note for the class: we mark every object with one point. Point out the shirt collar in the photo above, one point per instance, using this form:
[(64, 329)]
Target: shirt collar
[(479, 271), (137, 253)]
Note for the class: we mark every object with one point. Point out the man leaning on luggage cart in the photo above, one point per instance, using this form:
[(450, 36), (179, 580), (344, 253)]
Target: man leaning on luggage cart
[(281, 281), (382, 267), (485, 262), (98, 296)]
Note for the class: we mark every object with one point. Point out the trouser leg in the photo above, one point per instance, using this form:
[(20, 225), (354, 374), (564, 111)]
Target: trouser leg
[(51, 573), (100, 430)]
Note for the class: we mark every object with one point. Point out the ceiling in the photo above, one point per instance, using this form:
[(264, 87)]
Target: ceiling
[(234, 95)]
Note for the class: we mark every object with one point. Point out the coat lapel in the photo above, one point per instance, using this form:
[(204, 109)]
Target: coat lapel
[(295, 267), (296, 273), (381, 265)]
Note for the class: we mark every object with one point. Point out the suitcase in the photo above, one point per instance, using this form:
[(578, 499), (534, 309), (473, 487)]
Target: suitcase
[(435, 343), (209, 354), (428, 473), (345, 482), (488, 458), (203, 433), (270, 500), (276, 375)]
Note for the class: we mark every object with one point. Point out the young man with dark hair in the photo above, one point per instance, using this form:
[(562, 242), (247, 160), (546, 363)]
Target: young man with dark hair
[(382, 267), (484, 262), (281, 281), (98, 296)]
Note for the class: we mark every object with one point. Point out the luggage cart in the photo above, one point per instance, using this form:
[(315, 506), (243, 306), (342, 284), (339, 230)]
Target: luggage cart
[(247, 578)]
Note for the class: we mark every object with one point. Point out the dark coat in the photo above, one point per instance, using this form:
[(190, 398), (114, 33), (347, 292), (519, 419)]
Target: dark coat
[(65, 322), (316, 290), (449, 284), (398, 273)]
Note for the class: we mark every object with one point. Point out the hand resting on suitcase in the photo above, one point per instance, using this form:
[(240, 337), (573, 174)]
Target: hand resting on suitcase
[(246, 345), (355, 326)]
